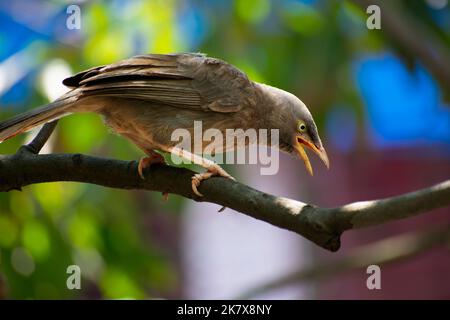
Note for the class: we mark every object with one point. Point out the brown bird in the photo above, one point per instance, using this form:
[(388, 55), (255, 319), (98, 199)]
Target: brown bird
[(145, 98)]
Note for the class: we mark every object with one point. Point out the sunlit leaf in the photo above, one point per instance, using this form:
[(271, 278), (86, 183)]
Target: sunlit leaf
[(116, 284), (54, 197), (8, 231), (302, 18), (252, 11), (21, 205), (83, 230), (35, 238), (82, 132)]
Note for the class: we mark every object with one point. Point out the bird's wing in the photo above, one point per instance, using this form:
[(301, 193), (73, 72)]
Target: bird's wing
[(189, 81)]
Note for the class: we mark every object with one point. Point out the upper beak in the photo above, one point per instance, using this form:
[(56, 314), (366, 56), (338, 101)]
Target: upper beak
[(320, 151)]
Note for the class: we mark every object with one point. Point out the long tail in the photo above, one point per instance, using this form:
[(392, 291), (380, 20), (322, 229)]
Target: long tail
[(30, 119)]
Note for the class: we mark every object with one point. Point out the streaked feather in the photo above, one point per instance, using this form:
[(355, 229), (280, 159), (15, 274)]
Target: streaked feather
[(190, 81)]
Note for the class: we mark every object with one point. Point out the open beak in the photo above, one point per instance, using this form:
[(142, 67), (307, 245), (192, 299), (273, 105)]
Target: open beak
[(320, 151)]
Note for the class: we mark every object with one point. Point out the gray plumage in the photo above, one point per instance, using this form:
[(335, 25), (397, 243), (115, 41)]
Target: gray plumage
[(146, 97)]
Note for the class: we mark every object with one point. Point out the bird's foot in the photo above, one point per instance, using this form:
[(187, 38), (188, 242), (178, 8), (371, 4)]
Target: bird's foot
[(145, 162), (212, 171)]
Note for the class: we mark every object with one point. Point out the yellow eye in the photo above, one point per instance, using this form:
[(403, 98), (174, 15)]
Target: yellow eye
[(301, 127)]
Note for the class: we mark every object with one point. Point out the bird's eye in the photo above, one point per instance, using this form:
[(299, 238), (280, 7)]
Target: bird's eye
[(301, 127)]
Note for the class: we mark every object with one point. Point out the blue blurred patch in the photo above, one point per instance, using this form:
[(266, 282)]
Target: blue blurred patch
[(193, 25), (15, 37), (403, 107), (341, 128)]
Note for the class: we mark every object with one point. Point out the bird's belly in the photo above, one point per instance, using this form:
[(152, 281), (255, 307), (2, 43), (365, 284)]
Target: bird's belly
[(150, 127)]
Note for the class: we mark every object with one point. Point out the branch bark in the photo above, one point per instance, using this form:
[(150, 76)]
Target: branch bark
[(322, 226), (41, 138)]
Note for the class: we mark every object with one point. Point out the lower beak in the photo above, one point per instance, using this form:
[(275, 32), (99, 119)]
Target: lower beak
[(320, 151)]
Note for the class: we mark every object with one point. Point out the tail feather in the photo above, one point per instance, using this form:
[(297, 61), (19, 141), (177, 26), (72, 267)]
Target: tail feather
[(28, 120)]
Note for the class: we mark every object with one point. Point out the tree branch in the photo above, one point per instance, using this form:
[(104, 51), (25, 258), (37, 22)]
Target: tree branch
[(322, 226)]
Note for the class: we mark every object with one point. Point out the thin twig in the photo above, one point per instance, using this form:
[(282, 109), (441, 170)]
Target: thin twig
[(41, 138), (395, 249)]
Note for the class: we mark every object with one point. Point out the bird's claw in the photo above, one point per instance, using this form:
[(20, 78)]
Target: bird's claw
[(146, 162), (141, 166), (199, 177)]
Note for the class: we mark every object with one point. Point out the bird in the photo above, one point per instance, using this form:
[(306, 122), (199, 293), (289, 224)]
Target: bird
[(146, 97)]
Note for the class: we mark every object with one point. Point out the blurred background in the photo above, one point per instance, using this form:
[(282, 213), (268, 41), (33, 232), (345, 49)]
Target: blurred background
[(381, 101)]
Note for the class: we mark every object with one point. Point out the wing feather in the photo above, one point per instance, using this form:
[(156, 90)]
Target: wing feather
[(185, 80)]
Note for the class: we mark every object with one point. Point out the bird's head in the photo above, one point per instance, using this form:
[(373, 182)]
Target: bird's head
[(305, 134), (297, 127)]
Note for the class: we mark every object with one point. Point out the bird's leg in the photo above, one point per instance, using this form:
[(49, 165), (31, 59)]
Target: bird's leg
[(213, 168), (145, 162)]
